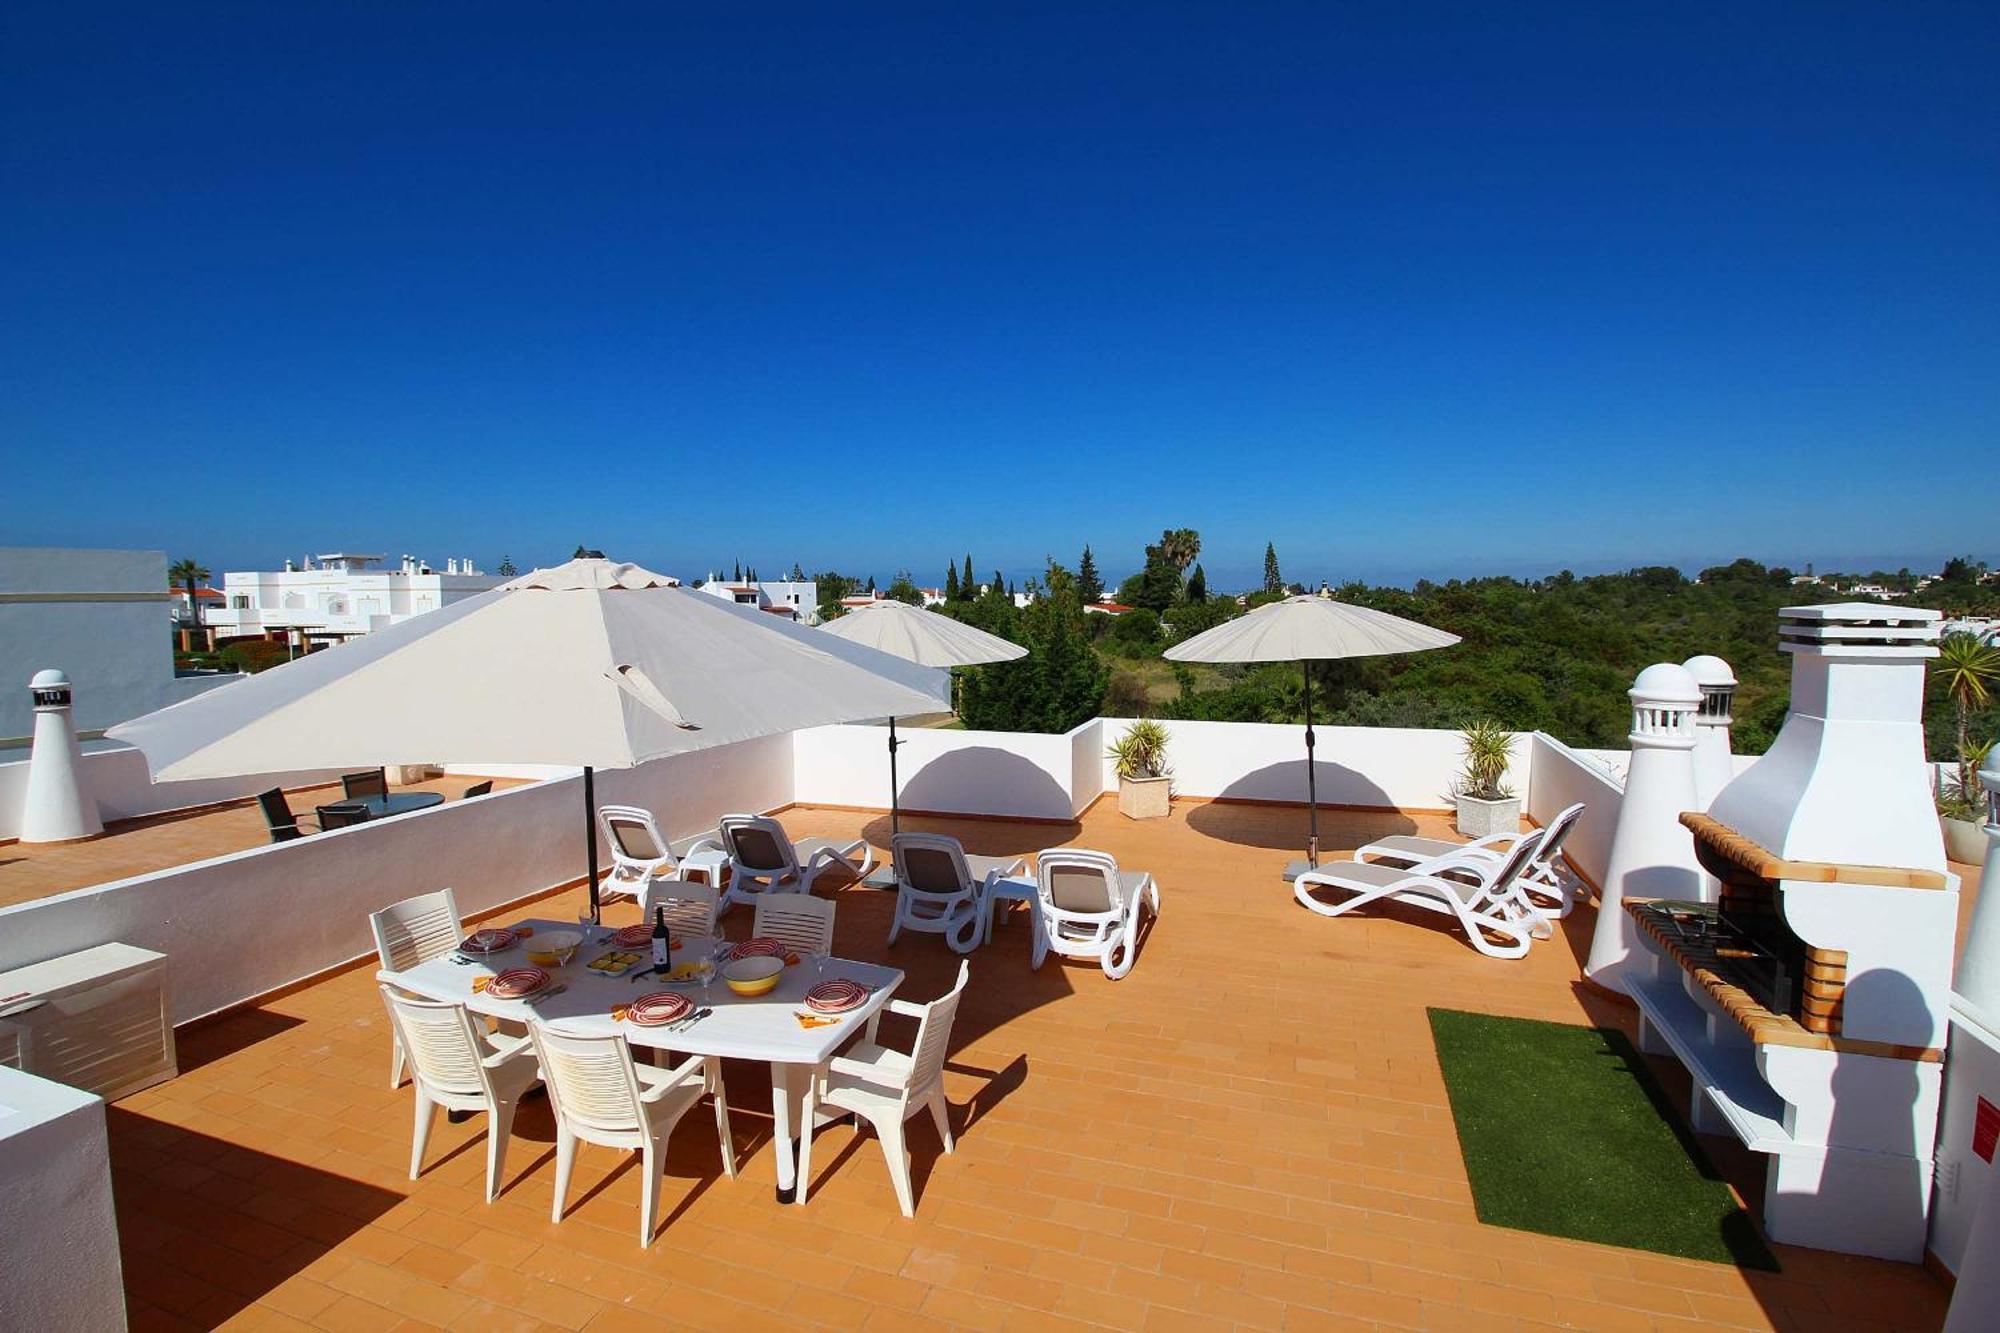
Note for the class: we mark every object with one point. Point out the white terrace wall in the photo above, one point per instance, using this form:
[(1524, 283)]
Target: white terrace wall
[(1406, 768), (241, 925), (1562, 777), (1006, 774), (117, 778)]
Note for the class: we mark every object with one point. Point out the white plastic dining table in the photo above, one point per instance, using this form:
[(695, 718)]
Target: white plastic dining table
[(763, 1028)]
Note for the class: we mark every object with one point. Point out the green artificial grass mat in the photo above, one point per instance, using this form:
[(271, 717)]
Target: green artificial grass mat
[(1566, 1132)]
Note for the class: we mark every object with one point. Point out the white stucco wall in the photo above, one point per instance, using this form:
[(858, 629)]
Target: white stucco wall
[(1406, 768), (1964, 1181), (111, 637), (1086, 765), (240, 925), (1020, 775), (59, 1265), (1562, 777)]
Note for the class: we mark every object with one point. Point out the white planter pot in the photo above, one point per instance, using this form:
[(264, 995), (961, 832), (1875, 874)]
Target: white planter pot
[(1481, 819), (1145, 798), (1965, 840)]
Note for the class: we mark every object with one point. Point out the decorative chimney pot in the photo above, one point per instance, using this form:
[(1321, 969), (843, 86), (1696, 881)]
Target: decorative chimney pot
[(56, 807), (1713, 765), (1651, 856)]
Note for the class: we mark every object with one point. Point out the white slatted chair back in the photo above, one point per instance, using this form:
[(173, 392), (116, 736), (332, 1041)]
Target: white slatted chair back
[(438, 1039), (759, 845), (934, 1034), (417, 929), (800, 920), (638, 849), (1497, 885), (691, 908), (931, 864), (1078, 881), (590, 1081), (1557, 833)]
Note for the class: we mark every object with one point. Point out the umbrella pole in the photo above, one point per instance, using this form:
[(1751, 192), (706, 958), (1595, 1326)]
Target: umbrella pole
[(1312, 778), (895, 818), (590, 839)]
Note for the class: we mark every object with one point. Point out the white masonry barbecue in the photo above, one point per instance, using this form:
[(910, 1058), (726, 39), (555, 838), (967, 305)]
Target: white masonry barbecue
[(1810, 1003)]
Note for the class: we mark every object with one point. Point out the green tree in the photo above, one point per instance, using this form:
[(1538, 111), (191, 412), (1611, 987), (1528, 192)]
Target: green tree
[(904, 589), (1089, 585), (967, 585), (1197, 586), (1967, 672), (737, 577), (189, 574), (1057, 686), (506, 569), (1179, 546), (950, 581), (1273, 580)]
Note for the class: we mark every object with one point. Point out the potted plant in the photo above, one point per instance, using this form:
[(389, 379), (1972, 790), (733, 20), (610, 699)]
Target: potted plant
[(1968, 672), (1485, 803), (1145, 783)]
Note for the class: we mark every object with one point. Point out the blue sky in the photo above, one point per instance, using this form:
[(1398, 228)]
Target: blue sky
[(1406, 289)]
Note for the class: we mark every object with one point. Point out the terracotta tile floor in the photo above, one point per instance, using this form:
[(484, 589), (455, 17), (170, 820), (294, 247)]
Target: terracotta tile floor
[(1224, 1139), (157, 842)]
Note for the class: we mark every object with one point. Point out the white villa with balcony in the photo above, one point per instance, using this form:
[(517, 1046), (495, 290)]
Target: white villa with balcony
[(338, 596), (797, 599)]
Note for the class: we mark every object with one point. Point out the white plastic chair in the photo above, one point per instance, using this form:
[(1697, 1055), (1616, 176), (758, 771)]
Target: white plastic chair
[(762, 858), (600, 1096), (886, 1087), (414, 931), (1090, 909), (455, 1065), (1547, 880), (935, 891), (803, 922), (1483, 894), (640, 853), (691, 908)]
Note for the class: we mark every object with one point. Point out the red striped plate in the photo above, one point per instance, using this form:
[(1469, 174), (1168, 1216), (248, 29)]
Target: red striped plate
[(650, 1011), (516, 982), (761, 947), (836, 996), (489, 941), (633, 937)]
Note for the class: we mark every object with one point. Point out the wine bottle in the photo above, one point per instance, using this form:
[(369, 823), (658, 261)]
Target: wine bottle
[(660, 940)]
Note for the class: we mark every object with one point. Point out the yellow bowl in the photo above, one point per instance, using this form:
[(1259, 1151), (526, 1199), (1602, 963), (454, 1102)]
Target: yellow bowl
[(753, 976)]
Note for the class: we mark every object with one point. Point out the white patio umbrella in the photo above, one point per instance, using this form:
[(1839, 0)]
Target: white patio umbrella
[(923, 637), (592, 663), (1308, 629)]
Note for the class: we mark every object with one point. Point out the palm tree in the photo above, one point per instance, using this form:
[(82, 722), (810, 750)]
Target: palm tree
[(1179, 546), (189, 574), (1968, 672)]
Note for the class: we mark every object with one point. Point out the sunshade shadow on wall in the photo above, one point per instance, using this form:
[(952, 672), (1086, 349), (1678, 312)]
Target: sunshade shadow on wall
[(1566, 1132), (1239, 812), (990, 780)]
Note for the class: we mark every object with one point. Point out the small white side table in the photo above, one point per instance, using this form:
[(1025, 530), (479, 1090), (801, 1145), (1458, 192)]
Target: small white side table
[(1009, 889)]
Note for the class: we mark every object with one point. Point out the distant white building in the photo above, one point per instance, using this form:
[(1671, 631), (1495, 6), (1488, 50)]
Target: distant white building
[(795, 598), (338, 596), (96, 616)]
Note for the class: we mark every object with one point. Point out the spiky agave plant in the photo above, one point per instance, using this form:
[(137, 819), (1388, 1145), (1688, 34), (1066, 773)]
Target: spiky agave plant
[(1142, 751), (1488, 748)]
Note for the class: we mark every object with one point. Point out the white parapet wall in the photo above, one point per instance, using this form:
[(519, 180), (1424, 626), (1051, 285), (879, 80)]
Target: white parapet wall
[(242, 925), (1403, 768), (1564, 777), (118, 780), (997, 774), (58, 1233)]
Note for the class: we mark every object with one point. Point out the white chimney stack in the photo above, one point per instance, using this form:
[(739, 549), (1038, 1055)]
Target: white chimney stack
[(56, 809), (1713, 765), (1978, 977), (1651, 854)]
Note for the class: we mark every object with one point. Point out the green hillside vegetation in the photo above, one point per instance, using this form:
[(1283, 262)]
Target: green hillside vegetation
[(1554, 654)]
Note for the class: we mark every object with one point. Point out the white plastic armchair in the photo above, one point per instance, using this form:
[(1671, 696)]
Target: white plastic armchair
[(640, 853), (1088, 908), (799, 920), (413, 931), (455, 1065), (1548, 881), (936, 893), (886, 1087), (762, 858), (1483, 894), (600, 1096)]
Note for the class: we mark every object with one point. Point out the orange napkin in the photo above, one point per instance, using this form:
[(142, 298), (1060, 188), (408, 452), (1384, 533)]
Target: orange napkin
[(791, 960), (808, 1021), (618, 1012), (480, 983), (524, 931)]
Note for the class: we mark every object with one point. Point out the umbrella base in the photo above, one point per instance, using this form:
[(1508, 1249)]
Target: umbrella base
[(1293, 869)]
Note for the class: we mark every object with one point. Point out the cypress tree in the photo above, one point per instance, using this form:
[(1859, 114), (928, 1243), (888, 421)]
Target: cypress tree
[(950, 581), (1089, 585), (967, 585), (1197, 586), (1273, 580)]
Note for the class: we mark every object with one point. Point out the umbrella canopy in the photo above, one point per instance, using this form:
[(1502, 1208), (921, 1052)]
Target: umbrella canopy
[(920, 636), (1309, 629), (591, 663)]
